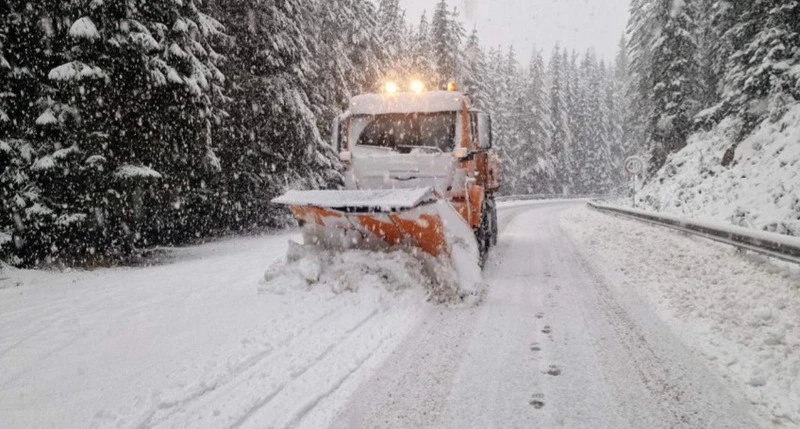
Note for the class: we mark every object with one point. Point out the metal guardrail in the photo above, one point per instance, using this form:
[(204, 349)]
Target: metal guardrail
[(778, 246)]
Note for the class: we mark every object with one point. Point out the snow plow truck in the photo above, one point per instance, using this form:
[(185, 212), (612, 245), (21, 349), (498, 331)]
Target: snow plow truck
[(419, 173)]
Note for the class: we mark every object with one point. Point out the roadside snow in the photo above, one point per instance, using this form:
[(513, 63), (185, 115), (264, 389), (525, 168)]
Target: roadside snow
[(741, 314), (760, 189), (203, 341)]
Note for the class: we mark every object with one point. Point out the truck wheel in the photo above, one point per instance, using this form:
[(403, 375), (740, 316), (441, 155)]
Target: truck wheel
[(484, 233), (494, 228)]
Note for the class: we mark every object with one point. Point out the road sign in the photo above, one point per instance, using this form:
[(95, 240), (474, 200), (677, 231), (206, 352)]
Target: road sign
[(634, 165)]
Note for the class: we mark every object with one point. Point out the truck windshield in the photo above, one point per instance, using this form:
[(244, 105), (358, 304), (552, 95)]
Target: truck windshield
[(405, 133)]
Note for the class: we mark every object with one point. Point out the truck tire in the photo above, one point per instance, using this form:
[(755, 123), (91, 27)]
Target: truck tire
[(484, 233), (493, 216)]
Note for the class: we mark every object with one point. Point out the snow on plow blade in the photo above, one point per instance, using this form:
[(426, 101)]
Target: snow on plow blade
[(375, 219), (369, 218)]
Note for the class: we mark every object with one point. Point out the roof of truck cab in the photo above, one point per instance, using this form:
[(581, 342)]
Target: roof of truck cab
[(407, 102)]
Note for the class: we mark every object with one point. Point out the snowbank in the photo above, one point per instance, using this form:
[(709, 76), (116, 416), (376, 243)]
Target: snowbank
[(741, 315), (759, 189)]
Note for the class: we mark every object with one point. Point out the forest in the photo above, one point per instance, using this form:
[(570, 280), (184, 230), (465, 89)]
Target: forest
[(130, 125)]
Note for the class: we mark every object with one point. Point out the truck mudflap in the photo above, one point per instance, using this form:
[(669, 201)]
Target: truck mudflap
[(382, 219)]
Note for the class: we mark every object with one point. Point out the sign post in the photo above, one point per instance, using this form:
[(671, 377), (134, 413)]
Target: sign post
[(634, 166)]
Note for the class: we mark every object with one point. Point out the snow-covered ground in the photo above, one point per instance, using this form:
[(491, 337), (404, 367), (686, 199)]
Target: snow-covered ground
[(740, 314), (587, 324), (554, 345), (760, 189), (203, 342)]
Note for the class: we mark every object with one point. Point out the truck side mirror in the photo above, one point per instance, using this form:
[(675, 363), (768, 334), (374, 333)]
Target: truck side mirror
[(484, 131)]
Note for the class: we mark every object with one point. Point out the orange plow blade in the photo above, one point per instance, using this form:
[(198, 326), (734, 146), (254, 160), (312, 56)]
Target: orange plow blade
[(381, 219), (370, 218)]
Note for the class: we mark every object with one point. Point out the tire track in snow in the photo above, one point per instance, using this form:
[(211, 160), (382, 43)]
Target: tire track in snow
[(297, 373), (170, 407), (243, 396)]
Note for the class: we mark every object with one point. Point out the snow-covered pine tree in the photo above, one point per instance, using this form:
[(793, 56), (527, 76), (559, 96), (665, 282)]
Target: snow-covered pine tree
[(562, 136), (675, 79), (710, 50), (391, 26), (494, 82), (368, 57), (536, 129), (273, 140), (641, 35), (615, 104), (112, 90), (446, 35), (510, 118), (613, 124), (599, 167), (423, 66), (28, 36), (620, 87), (348, 55), (148, 67), (579, 120), (472, 73), (761, 78), (21, 38)]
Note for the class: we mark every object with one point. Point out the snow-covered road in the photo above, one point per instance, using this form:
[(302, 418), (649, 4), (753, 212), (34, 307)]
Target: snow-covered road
[(576, 332), (553, 346)]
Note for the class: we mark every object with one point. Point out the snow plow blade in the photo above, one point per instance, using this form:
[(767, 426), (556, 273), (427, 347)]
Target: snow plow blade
[(375, 219)]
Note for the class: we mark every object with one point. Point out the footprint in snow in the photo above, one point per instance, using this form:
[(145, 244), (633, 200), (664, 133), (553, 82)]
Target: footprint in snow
[(553, 370), (539, 315), (547, 329), (535, 347), (537, 401)]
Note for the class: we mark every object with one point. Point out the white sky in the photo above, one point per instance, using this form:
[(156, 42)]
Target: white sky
[(578, 24)]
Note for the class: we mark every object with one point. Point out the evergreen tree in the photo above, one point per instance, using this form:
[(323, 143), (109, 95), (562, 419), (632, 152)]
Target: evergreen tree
[(562, 136), (272, 130), (641, 36), (104, 71), (507, 138), (598, 148), (675, 79), (536, 127), (579, 119), (446, 35), (620, 102), (391, 27), (24, 60), (666, 75), (760, 80), (422, 65), (473, 71)]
